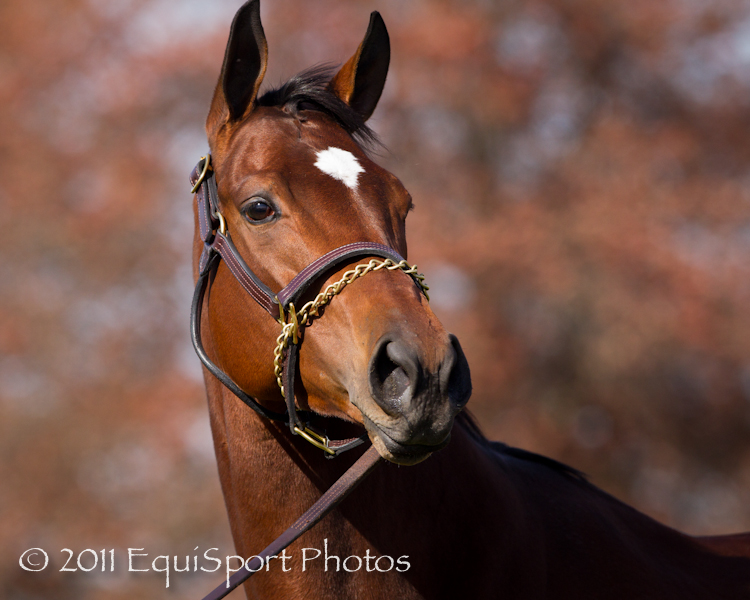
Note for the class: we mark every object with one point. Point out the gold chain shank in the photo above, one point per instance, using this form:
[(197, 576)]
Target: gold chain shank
[(297, 319)]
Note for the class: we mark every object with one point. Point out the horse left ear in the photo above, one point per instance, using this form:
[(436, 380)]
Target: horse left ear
[(360, 81), (244, 66)]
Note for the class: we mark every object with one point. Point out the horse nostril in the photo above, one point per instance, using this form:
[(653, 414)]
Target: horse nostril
[(393, 374), (393, 379)]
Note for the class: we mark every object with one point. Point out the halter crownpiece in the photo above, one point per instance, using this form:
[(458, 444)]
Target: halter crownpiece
[(217, 245)]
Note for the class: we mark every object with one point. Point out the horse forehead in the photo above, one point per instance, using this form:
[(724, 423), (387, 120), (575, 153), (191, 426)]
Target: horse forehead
[(273, 137), (266, 140), (304, 151)]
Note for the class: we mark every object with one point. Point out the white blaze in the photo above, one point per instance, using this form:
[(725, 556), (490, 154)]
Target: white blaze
[(341, 165)]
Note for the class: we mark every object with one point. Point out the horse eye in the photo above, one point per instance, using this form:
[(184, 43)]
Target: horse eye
[(258, 210)]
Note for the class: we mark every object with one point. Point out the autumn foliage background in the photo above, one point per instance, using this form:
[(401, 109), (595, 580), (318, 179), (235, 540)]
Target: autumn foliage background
[(581, 175)]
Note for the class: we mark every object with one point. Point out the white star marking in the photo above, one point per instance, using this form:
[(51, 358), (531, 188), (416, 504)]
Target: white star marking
[(341, 165)]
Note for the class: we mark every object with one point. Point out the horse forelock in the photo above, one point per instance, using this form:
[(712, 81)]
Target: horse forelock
[(309, 90)]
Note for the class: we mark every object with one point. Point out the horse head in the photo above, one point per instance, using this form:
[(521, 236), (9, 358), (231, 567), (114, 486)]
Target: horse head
[(295, 181)]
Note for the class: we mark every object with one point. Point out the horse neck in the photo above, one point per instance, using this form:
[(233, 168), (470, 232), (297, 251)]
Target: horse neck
[(255, 470), (250, 448), (424, 512), (546, 529)]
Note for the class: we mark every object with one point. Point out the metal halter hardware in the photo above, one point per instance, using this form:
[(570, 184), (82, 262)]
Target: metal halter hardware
[(281, 306)]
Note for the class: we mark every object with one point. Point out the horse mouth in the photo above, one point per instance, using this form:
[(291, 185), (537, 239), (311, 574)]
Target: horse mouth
[(399, 452)]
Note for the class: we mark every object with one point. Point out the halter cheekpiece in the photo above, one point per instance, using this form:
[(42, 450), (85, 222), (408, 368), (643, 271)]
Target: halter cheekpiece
[(217, 245)]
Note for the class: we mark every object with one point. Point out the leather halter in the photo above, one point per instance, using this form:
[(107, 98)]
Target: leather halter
[(217, 245)]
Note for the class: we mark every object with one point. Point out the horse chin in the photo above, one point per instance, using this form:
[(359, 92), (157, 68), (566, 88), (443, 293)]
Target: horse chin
[(397, 452)]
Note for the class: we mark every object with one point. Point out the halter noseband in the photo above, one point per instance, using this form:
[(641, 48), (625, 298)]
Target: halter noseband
[(217, 245)]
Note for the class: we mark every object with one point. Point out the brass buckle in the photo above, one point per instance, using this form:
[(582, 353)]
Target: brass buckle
[(319, 441), (222, 223), (292, 314), (206, 166)]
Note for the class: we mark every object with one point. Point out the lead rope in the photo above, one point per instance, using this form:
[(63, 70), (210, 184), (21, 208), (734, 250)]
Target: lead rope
[(327, 502)]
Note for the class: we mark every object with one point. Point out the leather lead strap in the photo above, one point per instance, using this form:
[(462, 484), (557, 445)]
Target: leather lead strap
[(335, 494)]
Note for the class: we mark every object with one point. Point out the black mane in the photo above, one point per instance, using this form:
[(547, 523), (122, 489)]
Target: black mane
[(471, 426), (309, 91)]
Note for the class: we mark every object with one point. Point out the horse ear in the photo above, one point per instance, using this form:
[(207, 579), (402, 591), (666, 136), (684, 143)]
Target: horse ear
[(244, 66), (360, 81)]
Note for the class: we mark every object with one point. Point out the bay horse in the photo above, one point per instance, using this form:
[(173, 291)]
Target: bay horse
[(450, 514)]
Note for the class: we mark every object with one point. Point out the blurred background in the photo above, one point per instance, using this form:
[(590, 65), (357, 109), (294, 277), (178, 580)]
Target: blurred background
[(581, 175)]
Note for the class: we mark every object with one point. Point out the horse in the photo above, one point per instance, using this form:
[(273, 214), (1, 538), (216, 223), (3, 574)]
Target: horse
[(449, 513)]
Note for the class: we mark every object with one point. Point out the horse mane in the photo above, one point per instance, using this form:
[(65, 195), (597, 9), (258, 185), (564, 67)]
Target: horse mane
[(468, 422), (309, 90)]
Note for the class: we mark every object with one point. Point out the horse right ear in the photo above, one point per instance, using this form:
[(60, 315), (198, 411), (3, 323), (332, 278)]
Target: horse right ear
[(244, 66), (360, 81)]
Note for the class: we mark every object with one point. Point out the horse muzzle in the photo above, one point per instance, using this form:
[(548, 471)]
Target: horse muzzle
[(411, 408)]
